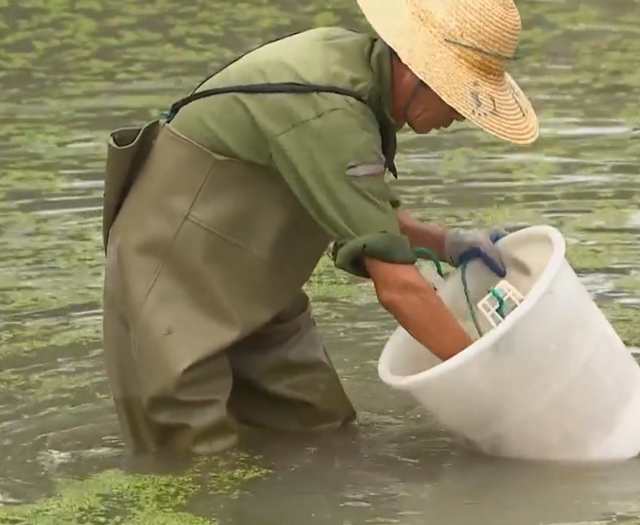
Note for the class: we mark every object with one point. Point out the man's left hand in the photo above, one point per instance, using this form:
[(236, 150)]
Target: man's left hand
[(462, 246)]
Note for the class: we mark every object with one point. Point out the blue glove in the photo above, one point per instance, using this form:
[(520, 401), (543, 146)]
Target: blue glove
[(463, 246)]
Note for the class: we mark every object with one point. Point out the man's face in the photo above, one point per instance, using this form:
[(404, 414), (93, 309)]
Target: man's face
[(427, 111)]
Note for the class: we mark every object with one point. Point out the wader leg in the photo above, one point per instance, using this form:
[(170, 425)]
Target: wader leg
[(193, 420), (283, 378), (135, 426), (186, 416)]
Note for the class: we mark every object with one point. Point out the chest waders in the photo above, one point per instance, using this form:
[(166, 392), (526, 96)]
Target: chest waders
[(185, 340), (129, 147)]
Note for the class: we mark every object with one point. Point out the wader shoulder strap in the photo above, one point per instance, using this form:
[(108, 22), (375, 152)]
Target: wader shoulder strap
[(290, 88), (266, 88)]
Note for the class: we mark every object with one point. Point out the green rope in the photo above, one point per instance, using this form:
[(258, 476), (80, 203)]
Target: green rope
[(465, 287), (428, 254), (424, 253), (500, 299)]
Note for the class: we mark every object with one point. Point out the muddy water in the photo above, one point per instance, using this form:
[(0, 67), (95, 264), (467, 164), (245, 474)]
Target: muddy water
[(72, 71)]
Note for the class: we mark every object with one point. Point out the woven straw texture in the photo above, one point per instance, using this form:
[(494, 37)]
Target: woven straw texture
[(460, 49)]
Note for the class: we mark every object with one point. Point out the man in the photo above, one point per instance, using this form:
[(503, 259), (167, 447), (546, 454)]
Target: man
[(232, 200)]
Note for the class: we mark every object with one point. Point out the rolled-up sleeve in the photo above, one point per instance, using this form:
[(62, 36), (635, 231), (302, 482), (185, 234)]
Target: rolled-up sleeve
[(335, 166)]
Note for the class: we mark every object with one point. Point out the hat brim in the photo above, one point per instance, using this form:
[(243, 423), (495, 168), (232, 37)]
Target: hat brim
[(494, 103)]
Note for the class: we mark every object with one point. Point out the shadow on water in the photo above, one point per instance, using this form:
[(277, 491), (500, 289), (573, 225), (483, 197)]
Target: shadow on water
[(72, 71)]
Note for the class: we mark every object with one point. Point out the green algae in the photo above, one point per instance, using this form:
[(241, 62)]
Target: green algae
[(115, 497), (624, 318), (228, 474), (111, 497), (329, 283), (71, 71)]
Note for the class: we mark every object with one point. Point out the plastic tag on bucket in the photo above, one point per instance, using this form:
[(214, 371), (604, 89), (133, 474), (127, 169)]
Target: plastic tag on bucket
[(501, 300)]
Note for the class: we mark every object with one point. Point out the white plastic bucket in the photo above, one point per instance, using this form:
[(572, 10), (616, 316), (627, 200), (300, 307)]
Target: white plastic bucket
[(553, 381)]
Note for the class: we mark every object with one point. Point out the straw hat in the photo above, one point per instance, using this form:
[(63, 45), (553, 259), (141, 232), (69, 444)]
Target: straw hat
[(459, 48)]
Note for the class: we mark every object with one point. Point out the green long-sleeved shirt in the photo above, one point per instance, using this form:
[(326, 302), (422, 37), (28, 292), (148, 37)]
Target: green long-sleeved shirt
[(327, 147)]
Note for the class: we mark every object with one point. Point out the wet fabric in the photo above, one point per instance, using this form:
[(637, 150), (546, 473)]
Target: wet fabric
[(213, 223), (205, 324)]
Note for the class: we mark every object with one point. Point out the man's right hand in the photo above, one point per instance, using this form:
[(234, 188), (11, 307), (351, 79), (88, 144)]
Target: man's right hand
[(408, 296), (462, 246)]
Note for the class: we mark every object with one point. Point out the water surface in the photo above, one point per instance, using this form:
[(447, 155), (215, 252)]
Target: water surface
[(70, 71)]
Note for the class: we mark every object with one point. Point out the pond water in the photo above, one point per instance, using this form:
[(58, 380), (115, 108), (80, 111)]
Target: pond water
[(72, 70)]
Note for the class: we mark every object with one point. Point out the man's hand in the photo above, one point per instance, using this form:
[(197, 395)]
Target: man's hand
[(409, 297), (462, 246), (454, 246)]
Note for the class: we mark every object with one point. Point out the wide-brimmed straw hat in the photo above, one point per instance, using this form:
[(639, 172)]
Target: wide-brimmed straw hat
[(460, 48)]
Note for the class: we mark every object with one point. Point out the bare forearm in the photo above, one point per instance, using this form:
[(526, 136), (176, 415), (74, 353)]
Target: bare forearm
[(409, 298), (427, 319), (422, 235)]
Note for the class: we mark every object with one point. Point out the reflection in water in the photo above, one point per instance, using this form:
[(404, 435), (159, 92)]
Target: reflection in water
[(72, 71)]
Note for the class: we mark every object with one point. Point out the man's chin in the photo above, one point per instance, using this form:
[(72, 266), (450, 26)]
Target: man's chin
[(421, 130)]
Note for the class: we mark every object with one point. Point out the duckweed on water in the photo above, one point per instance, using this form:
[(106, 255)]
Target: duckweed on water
[(114, 497), (329, 283), (227, 475), (74, 70)]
